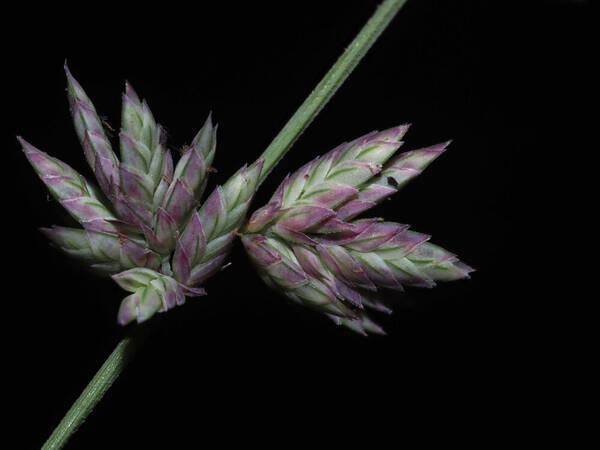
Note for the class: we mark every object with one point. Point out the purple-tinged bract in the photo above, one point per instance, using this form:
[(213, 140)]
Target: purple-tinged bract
[(307, 244), (144, 223)]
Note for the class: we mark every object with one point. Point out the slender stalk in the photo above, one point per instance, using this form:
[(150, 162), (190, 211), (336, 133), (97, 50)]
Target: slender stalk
[(94, 391), (123, 352), (330, 83)]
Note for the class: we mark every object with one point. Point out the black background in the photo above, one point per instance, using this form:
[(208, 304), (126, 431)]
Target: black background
[(241, 364)]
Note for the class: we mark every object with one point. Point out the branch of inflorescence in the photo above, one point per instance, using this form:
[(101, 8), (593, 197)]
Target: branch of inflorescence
[(281, 144)]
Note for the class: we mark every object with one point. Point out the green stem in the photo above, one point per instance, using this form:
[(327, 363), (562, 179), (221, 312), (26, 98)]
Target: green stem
[(92, 394), (305, 114), (330, 83)]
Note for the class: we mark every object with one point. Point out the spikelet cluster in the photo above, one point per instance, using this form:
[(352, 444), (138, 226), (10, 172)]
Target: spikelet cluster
[(143, 223), (307, 243)]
